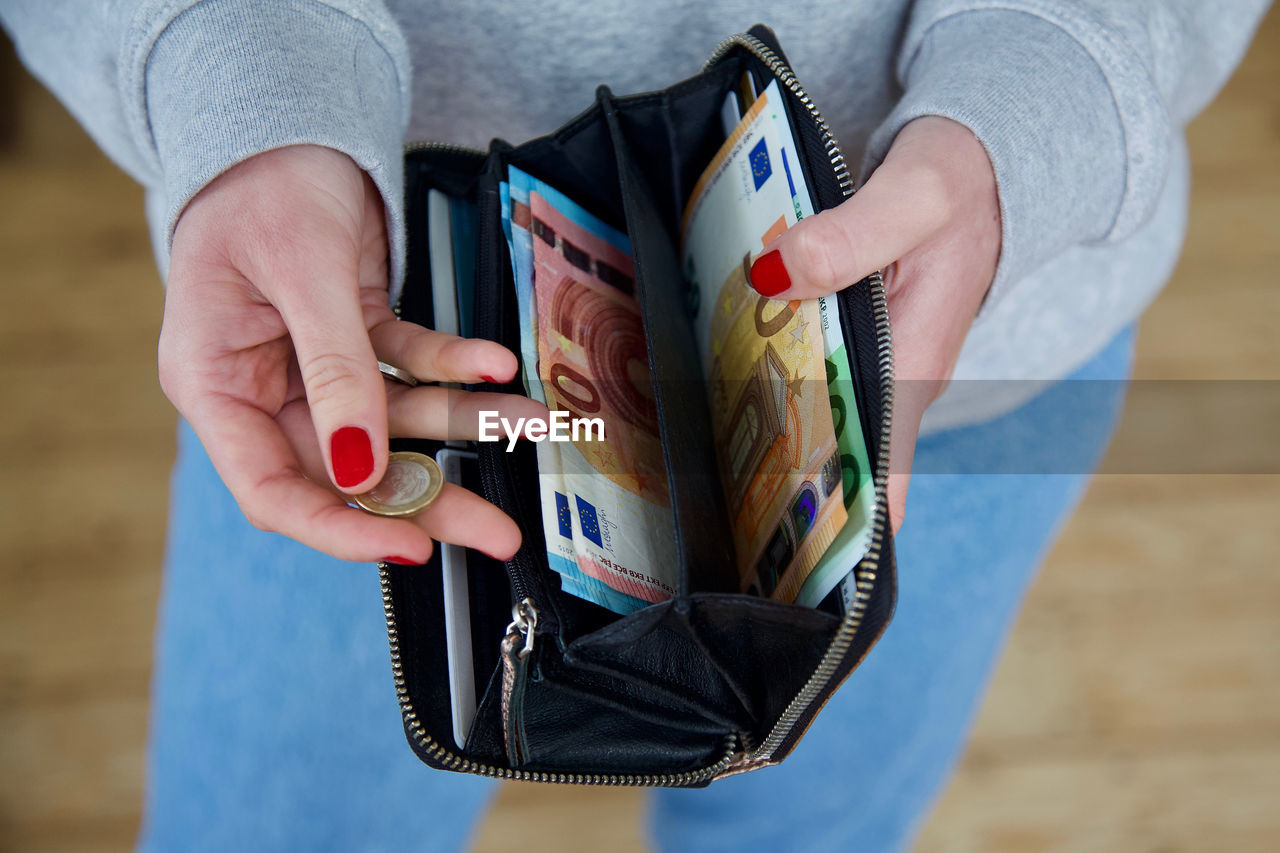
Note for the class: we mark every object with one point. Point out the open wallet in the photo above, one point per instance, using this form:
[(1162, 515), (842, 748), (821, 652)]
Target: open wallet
[(718, 671)]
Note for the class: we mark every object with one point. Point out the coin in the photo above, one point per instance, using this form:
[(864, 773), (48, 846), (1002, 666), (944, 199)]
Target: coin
[(412, 482), (396, 373)]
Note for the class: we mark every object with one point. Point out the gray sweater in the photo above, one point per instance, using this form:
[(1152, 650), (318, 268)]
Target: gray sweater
[(1081, 106)]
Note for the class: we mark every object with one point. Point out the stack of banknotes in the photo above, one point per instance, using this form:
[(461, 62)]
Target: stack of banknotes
[(792, 458), (605, 508)]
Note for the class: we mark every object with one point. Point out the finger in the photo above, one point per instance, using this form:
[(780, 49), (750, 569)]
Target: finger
[(256, 461), (437, 357), (320, 306), (902, 205), (450, 413), (457, 515), (425, 412), (464, 518)]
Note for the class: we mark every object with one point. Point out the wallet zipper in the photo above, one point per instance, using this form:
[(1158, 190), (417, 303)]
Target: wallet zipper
[(866, 573), (455, 761), (517, 645), (445, 147), (738, 753)]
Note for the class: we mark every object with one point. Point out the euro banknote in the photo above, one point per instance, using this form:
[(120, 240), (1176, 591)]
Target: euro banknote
[(606, 511), (782, 393), (559, 522)]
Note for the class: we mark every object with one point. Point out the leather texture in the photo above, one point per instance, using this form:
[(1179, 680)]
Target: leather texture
[(672, 688)]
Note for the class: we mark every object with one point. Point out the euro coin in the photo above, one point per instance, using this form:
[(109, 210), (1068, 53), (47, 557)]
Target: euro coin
[(397, 374), (412, 482)]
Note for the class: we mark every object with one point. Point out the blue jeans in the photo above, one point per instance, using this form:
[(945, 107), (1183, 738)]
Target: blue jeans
[(275, 727)]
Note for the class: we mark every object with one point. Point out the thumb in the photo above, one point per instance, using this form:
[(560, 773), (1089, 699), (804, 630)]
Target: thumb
[(340, 372), (901, 206)]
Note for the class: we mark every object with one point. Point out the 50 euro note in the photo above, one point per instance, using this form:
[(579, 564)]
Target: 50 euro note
[(857, 479), (606, 511), (791, 449)]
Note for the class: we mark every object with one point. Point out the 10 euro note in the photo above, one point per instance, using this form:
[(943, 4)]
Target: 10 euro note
[(606, 513), (562, 518)]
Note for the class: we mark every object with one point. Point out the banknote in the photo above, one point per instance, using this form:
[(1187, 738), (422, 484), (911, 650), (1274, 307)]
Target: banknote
[(777, 371), (561, 523), (853, 540), (606, 511), (858, 484), (513, 197)]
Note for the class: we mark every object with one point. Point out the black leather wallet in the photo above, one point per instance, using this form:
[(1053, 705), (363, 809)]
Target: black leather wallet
[(710, 682)]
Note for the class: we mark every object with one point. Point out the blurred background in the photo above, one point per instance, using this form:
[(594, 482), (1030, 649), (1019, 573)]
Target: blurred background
[(1137, 707)]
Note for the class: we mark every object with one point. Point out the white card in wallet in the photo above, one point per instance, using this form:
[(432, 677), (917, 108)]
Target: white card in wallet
[(444, 285), (457, 612), (453, 558)]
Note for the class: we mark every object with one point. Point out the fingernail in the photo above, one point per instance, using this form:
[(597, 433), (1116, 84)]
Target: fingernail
[(401, 561), (352, 456), (769, 275), (492, 381)]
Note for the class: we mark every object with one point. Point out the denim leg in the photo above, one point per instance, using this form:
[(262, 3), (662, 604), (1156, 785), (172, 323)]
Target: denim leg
[(876, 757), (274, 722)]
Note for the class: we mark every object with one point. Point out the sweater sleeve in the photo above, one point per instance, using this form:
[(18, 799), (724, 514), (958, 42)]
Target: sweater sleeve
[(178, 91), (1076, 103)]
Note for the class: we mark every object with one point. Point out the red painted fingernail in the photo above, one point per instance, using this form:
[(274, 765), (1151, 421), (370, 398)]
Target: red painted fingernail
[(769, 275), (491, 380), (352, 456), (401, 561)]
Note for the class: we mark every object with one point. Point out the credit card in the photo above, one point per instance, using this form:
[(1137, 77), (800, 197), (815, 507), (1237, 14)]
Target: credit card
[(457, 611)]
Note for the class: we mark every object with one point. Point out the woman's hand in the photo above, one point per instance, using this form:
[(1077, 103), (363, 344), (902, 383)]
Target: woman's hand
[(930, 217), (275, 317)]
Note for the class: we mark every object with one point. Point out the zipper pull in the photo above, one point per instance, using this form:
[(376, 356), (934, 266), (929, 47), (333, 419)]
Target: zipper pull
[(524, 619), (517, 645)]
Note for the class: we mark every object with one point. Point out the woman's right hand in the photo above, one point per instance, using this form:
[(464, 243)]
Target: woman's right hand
[(275, 317)]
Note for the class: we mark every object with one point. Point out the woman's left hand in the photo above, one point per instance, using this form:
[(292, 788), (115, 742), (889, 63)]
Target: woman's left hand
[(930, 217)]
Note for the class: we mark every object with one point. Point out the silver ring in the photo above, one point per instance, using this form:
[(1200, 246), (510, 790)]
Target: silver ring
[(397, 374)]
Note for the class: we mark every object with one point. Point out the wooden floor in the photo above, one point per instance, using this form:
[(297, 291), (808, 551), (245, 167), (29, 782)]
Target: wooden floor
[(1136, 709)]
